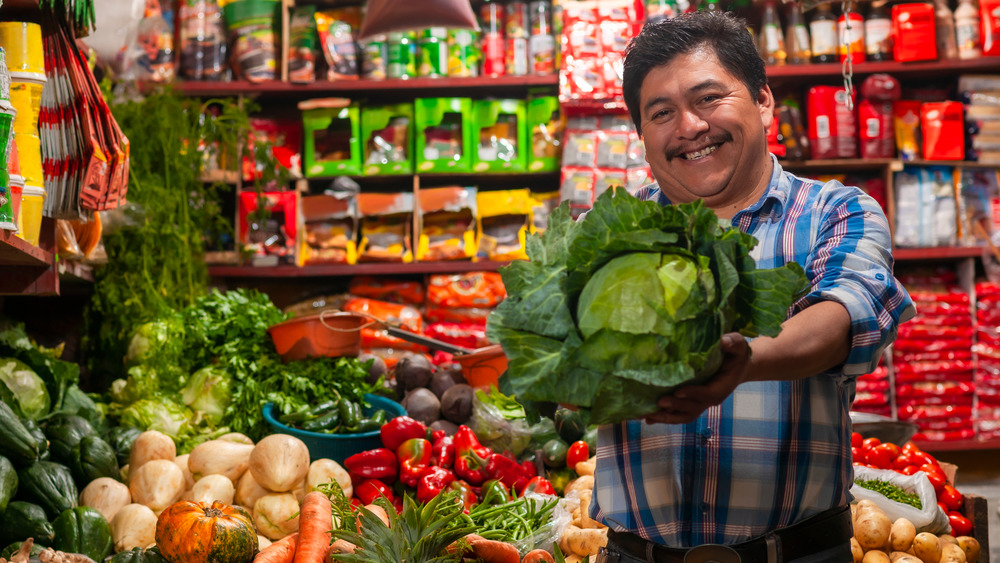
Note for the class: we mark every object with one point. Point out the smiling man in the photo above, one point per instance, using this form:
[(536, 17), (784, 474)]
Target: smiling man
[(755, 464)]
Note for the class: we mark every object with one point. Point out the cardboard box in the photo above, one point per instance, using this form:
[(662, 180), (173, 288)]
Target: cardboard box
[(387, 134), (544, 132), (914, 32), (500, 134), (444, 139), (332, 141)]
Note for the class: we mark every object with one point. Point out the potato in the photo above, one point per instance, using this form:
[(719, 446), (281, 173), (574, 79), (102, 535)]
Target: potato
[(583, 541), (948, 538), (970, 546), (276, 515), (586, 467), (212, 488), (328, 471), (220, 457), (856, 552), (927, 547), (901, 535), (903, 557), (951, 553), (872, 529), (875, 556), (581, 483)]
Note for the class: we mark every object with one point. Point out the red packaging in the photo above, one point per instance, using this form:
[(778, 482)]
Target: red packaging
[(989, 15), (875, 131), (471, 289), (832, 126), (942, 127), (914, 32)]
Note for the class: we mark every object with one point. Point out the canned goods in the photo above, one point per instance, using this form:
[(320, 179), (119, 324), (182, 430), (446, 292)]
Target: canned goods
[(463, 53), (493, 55), (433, 52), (542, 54), (491, 16), (517, 56), (516, 23), (541, 17), (401, 59), (373, 58)]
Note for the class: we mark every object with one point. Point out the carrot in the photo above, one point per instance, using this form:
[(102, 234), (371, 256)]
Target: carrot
[(538, 556), (492, 551), (377, 511), (281, 551), (315, 525)]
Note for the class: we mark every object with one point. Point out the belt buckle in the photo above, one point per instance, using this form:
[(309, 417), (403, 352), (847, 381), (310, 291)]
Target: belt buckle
[(712, 553)]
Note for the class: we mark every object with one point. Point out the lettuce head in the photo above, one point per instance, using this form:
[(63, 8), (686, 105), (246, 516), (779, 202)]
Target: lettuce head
[(24, 391), (611, 312)]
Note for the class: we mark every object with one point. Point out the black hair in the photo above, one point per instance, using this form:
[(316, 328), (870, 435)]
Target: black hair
[(658, 43)]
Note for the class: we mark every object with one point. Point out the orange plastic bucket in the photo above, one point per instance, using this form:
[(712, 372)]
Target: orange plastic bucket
[(327, 334), (483, 367)]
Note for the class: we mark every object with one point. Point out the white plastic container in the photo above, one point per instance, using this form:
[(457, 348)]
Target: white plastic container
[(967, 37)]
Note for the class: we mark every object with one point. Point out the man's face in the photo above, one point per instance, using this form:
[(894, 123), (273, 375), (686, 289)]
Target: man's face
[(705, 134)]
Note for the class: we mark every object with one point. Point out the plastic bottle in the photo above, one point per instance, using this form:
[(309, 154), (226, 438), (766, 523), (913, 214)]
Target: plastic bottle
[(878, 34), (967, 30), (797, 43), (823, 35), (491, 21), (944, 20), (851, 41), (771, 42)]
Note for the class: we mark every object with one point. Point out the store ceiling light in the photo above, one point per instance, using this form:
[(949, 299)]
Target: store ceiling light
[(384, 16)]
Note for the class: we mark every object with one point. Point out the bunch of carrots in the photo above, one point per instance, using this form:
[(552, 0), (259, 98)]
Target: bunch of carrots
[(312, 543)]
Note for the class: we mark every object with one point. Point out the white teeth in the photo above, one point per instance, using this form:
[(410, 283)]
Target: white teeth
[(700, 154)]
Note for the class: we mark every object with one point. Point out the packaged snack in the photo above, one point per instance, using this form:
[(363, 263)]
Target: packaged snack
[(545, 128), (914, 31), (302, 45), (387, 134), (386, 227), (387, 289), (577, 186), (447, 224), (470, 289), (336, 35), (203, 40), (942, 126), (832, 126), (504, 223), (252, 26), (268, 226), (906, 124), (331, 226), (374, 57)]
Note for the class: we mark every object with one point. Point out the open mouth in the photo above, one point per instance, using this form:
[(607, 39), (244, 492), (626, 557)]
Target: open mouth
[(697, 155)]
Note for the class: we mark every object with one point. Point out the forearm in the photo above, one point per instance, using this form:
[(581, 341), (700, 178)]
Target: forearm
[(812, 341)]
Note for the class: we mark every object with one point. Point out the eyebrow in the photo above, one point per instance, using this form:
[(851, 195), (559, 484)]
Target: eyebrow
[(700, 87)]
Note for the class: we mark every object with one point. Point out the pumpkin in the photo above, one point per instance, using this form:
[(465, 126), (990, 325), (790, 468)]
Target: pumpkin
[(194, 532)]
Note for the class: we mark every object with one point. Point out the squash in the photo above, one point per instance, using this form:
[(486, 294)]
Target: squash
[(8, 482), (157, 484), (325, 471), (236, 438), (276, 515), (213, 488), (36, 432), (279, 462), (195, 532), (182, 462), (82, 530), (94, 458), (106, 495), (9, 551), (248, 491), (151, 445), (24, 520), (139, 555), (133, 526), (220, 457), (121, 439), (48, 484), (64, 432), (16, 443)]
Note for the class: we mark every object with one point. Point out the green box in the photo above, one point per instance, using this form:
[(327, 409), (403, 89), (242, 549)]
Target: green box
[(543, 134), (332, 139), (387, 134), (500, 136), (444, 134)]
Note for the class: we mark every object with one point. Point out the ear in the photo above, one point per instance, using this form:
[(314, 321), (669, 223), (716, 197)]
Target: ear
[(765, 104)]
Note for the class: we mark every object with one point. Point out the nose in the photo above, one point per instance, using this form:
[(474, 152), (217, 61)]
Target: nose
[(691, 124)]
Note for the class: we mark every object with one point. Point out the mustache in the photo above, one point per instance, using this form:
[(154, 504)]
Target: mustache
[(713, 140)]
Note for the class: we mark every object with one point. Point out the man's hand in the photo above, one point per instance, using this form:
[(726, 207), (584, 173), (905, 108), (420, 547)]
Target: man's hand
[(686, 403)]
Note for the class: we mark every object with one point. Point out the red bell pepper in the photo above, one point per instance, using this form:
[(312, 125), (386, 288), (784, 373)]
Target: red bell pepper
[(470, 456), (539, 485), (401, 429), (432, 481), (443, 452), (530, 469), (506, 470), (468, 496), (371, 489), (436, 435), (414, 456), (379, 463)]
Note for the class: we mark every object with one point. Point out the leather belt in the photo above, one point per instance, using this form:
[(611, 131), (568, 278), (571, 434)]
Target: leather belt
[(822, 531)]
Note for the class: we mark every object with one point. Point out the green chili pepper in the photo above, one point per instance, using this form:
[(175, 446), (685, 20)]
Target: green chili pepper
[(325, 407), (326, 422), (350, 412), (296, 418), (375, 422)]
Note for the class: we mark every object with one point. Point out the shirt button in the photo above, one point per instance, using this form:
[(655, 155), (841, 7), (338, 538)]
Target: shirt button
[(880, 277)]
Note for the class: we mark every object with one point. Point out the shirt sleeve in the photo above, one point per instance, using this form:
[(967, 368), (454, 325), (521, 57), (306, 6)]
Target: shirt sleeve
[(851, 263)]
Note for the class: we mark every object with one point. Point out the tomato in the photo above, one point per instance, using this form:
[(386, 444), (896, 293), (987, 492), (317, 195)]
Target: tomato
[(856, 440), (858, 455), (904, 459), (908, 470), (883, 455), (578, 451), (892, 448), (942, 507), (951, 497), (924, 458), (936, 478), (960, 525), (910, 447), (869, 443)]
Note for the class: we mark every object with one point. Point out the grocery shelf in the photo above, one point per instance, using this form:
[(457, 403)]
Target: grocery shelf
[(16, 252), (347, 270), (75, 271), (272, 88), (937, 253), (957, 445), (915, 69)]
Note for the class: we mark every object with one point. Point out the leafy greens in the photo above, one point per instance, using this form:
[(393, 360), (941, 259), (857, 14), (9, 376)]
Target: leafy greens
[(630, 303)]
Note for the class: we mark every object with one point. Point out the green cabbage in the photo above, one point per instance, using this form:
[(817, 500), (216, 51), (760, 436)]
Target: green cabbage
[(28, 395), (208, 393), (630, 303), (160, 414)]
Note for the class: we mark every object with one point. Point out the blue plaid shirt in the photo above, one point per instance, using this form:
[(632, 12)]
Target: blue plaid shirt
[(774, 452)]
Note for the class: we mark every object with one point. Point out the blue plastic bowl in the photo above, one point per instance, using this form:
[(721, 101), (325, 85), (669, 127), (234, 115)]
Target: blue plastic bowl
[(338, 447)]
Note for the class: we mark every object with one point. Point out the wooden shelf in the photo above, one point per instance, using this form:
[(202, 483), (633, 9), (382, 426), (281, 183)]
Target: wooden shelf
[(16, 252), (893, 164), (919, 69), (958, 445), (347, 270), (75, 271), (483, 85), (937, 253)]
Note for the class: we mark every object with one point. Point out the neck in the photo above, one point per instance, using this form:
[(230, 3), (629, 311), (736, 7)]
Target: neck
[(762, 178)]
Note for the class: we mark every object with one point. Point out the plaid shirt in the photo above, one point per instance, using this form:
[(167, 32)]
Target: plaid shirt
[(774, 452)]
